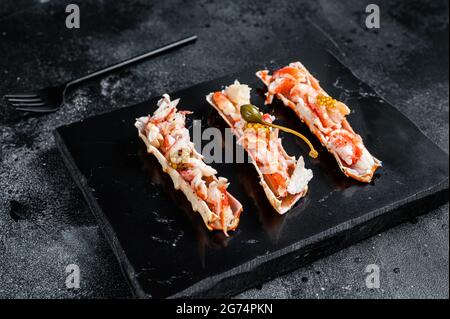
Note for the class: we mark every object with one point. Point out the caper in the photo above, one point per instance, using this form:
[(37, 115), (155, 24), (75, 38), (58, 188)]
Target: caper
[(251, 114)]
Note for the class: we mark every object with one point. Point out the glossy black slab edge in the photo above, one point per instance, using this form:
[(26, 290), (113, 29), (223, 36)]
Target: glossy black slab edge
[(312, 252), (106, 228), (265, 268), (304, 252)]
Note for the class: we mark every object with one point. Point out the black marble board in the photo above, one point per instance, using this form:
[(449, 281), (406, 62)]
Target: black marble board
[(163, 247)]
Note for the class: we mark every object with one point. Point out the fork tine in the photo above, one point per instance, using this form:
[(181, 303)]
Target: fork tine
[(42, 109), (25, 99), (21, 95), (28, 104)]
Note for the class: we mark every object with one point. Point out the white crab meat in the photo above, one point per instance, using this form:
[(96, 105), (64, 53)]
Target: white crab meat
[(238, 93), (165, 107), (345, 153), (198, 184), (203, 168), (365, 163), (300, 178)]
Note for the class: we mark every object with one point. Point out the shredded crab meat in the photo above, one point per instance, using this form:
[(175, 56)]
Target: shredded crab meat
[(263, 144), (166, 131), (300, 178), (296, 87), (238, 94)]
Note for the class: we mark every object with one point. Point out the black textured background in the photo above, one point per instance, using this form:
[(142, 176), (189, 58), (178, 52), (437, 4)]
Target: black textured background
[(44, 223)]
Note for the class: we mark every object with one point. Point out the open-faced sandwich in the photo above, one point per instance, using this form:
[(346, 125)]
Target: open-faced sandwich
[(166, 137), (283, 178), (326, 118)]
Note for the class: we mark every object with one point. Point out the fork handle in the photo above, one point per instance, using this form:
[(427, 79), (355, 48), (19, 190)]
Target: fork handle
[(114, 67)]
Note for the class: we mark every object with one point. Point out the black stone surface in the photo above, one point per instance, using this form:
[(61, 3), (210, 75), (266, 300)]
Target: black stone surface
[(158, 249), (406, 61)]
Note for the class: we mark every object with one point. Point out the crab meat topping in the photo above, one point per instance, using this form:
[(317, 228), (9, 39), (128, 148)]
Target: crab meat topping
[(166, 131), (262, 143), (300, 90)]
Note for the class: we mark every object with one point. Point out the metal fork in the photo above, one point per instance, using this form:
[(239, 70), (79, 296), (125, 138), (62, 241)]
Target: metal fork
[(50, 99)]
